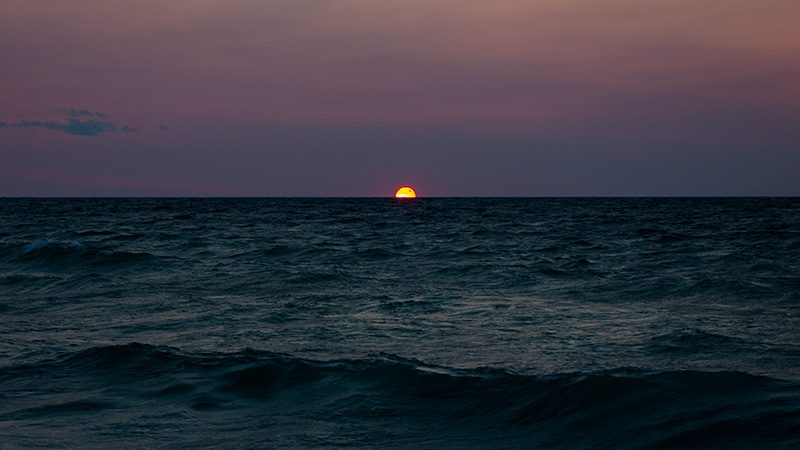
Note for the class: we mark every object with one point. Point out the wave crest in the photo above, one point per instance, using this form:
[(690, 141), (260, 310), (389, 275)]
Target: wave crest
[(543, 409), (53, 254)]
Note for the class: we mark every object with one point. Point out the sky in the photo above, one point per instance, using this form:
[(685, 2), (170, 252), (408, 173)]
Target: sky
[(358, 97)]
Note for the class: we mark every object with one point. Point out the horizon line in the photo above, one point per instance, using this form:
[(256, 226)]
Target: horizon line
[(390, 197)]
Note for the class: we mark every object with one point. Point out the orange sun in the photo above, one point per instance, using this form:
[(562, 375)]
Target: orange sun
[(405, 192)]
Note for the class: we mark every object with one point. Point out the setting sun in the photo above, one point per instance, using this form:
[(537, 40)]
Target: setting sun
[(405, 192)]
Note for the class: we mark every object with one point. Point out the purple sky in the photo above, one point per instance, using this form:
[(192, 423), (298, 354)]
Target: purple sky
[(357, 97)]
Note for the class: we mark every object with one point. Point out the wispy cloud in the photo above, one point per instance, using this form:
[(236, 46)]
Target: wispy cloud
[(79, 122), (84, 113), (73, 126)]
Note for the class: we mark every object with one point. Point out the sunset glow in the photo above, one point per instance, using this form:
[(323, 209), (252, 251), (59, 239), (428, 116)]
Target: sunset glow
[(499, 98)]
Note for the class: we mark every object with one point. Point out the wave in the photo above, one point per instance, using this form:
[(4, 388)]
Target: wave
[(108, 235), (87, 233), (637, 407), (52, 247), (692, 341), (279, 252), (55, 254)]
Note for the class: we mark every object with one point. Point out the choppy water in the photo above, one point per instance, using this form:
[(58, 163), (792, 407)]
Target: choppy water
[(433, 323)]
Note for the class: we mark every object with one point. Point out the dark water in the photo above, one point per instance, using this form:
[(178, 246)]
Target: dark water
[(435, 323)]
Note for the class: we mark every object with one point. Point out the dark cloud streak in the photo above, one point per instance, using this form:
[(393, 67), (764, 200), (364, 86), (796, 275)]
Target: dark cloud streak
[(90, 128)]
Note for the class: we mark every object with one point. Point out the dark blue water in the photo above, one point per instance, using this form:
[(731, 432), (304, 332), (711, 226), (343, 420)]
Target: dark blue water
[(433, 323)]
